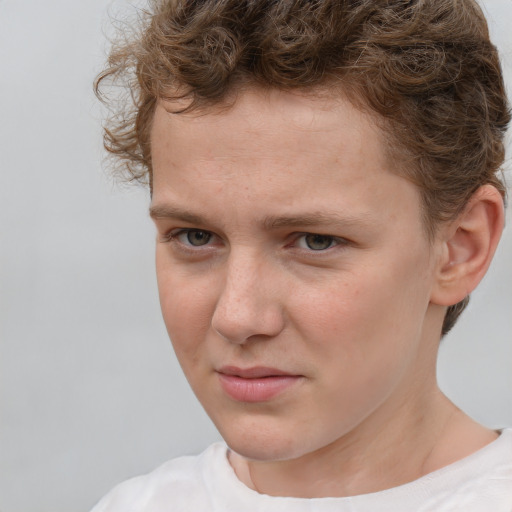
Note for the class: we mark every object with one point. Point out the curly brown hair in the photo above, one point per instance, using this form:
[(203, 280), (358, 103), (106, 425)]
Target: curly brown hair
[(426, 67)]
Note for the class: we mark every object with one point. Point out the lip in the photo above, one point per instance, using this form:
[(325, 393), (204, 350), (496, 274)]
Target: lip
[(256, 384)]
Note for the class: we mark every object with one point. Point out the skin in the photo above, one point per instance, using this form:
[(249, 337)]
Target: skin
[(355, 316)]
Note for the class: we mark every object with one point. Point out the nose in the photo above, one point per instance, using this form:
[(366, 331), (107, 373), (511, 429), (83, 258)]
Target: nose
[(248, 306)]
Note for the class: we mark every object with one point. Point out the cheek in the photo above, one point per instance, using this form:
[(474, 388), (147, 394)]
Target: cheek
[(366, 317), (363, 336), (187, 308)]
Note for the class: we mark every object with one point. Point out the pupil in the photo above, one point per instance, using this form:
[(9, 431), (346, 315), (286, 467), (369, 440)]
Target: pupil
[(318, 242), (198, 237)]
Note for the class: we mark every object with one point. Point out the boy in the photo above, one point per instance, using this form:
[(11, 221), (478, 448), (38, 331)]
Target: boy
[(324, 184)]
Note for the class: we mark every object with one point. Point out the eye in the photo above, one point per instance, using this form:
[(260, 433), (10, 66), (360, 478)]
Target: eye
[(315, 242), (194, 237)]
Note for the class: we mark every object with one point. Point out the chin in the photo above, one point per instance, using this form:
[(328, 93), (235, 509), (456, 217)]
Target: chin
[(265, 440), (264, 449)]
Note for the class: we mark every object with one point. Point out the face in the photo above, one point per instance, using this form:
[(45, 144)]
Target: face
[(293, 269)]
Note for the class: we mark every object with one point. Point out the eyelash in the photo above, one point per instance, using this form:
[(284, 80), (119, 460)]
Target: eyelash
[(174, 237)]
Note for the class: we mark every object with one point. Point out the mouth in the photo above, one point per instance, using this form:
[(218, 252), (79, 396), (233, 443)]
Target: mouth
[(256, 384)]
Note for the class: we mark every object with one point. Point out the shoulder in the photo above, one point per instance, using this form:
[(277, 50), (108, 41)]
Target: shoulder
[(182, 481), (482, 481)]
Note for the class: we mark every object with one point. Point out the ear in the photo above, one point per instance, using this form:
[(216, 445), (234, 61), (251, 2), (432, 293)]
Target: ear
[(467, 246)]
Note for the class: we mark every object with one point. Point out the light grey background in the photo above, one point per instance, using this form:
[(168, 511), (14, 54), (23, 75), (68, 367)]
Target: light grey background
[(90, 392)]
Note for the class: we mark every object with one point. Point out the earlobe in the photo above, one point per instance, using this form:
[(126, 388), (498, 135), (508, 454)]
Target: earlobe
[(468, 247)]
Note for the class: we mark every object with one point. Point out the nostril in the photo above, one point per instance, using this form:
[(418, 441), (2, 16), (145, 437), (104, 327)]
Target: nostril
[(246, 321)]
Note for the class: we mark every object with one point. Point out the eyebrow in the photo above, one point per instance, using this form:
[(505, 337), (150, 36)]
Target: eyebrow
[(171, 212), (315, 218)]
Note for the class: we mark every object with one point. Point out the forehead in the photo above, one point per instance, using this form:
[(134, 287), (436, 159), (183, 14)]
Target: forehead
[(278, 151), (271, 123)]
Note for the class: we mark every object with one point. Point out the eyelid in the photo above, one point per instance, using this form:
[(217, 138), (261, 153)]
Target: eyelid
[(337, 241), (173, 235)]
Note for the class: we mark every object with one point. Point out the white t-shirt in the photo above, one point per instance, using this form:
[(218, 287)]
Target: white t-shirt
[(481, 482)]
